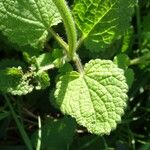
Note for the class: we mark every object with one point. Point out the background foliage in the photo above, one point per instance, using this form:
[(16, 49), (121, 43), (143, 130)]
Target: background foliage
[(129, 50)]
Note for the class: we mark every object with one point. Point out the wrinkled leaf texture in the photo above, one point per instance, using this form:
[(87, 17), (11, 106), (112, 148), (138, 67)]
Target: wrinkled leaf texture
[(96, 99)]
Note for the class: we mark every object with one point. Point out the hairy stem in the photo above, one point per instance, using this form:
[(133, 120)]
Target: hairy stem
[(69, 26), (78, 64), (62, 43), (80, 41), (45, 68)]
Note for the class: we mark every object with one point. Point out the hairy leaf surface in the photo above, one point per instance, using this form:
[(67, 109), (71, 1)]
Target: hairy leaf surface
[(12, 80), (97, 98), (27, 21), (102, 21)]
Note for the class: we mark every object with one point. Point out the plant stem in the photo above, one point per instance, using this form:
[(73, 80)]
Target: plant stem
[(62, 43), (20, 127), (45, 68), (29, 113), (78, 64), (80, 41), (38, 147), (69, 26), (141, 59)]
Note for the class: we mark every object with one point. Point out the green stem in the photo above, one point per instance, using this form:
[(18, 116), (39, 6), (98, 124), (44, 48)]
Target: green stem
[(62, 43), (45, 68), (78, 64), (139, 60), (38, 147), (69, 26), (20, 127), (27, 112), (80, 41)]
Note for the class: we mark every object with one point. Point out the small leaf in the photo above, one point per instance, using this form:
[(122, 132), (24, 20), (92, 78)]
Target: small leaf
[(26, 22), (43, 60), (102, 21), (9, 77), (122, 61), (54, 57), (42, 80), (129, 74), (12, 80), (95, 99)]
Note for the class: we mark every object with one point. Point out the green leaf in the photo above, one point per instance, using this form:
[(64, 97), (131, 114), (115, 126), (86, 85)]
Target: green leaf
[(42, 80), (12, 80), (122, 61), (102, 21), (96, 99), (56, 134), (127, 40), (27, 22), (65, 68), (10, 77), (129, 74), (55, 57), (43, 59)]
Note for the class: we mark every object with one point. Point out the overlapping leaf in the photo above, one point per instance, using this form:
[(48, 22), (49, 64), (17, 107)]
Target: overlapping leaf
[(96, 98), (27, 21), (102, 21), (42, 80), (12, 80)]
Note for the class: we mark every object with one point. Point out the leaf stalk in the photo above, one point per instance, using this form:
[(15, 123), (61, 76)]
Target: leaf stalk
[(69, 26), (62, 43), (79, 64), (140, 60)]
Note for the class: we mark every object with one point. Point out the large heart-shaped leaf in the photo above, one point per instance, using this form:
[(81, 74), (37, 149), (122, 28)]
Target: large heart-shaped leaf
[(96, 98)]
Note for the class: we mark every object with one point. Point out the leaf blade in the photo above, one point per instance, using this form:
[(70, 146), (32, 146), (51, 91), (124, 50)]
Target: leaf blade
[(27, 22), (100, 22), (92, 98)]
